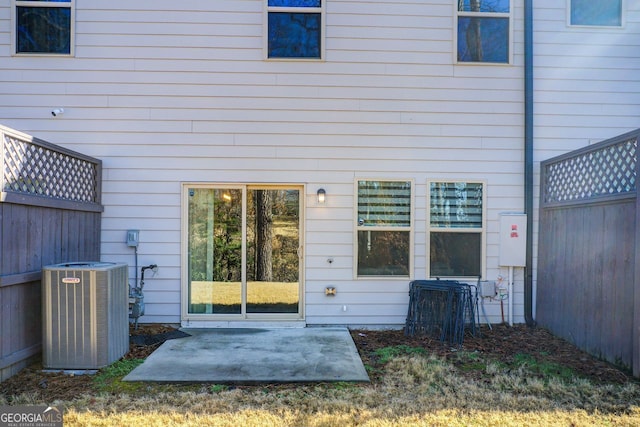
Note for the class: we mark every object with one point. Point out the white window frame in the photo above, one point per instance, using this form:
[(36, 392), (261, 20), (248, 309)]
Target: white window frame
[(482, 230), (71, 5), (457, 14), (623, 7), (409, 229), (265, 32)]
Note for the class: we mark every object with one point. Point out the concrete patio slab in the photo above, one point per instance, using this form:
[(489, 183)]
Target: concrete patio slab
[(255, 356)]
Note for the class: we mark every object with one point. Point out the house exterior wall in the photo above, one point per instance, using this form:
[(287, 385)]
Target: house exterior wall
[(182, 93), (586, 83)]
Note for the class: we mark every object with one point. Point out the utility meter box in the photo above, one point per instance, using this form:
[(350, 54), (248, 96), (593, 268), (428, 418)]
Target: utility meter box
[(513, 240)]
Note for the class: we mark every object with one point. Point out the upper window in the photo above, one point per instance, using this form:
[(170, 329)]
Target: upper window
[(456, 229), (602, 13), (44, 26), (483, 31), (295, 29), (384, 228)]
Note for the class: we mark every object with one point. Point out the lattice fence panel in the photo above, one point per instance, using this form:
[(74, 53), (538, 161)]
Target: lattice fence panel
[(32, 169), (607, 171)]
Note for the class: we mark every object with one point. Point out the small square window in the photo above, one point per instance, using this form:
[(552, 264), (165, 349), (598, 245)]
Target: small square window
[(294, 29), (44, 27), (483, 31), (602, 13)]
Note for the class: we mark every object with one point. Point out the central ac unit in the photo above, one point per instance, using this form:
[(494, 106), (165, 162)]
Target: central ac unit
[(85, 314)]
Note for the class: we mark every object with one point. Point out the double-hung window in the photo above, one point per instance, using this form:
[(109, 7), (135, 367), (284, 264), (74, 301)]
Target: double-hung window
[(43, 27), (483, 30), (295, 29), (601, 13), (456, 228), (384, 228)]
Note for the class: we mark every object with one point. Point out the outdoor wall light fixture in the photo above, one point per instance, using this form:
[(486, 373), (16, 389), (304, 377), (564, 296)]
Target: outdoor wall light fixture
[(321, 196)]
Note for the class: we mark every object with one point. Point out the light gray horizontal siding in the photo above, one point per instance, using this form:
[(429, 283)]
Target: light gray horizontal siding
[(586, 83), (179, 92), (586, 87)]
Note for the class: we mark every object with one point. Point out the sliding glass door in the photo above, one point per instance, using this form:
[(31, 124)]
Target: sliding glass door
[(243, 251)]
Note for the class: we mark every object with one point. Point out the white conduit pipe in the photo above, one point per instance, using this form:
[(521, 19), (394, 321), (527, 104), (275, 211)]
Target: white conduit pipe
[(510, 291)]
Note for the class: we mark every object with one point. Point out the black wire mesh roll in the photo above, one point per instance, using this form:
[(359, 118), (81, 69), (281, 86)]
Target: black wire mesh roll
[(441, 309)]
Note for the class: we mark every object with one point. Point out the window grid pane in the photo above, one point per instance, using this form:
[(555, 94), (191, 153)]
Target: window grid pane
[(483, 39), (294, 3), (294, 35), (383, 253), (455, 254), (606, 13), (384, 203), (495, 6), (456, 205), (43, 30)]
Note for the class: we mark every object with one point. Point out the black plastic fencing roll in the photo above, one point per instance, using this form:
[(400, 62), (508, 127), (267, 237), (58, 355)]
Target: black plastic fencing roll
[(442, 309)]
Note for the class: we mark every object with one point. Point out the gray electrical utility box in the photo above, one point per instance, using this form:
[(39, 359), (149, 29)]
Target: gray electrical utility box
[(85, 314)]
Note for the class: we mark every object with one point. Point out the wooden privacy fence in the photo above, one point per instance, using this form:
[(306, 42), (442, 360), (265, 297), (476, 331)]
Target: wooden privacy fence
[(588, 289), (50, 211)]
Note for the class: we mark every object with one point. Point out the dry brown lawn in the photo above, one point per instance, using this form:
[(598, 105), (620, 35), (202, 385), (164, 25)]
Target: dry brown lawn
[(508, 377)]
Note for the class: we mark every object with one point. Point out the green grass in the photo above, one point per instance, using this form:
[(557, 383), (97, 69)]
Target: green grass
[(109, 379), (386, 354), (218, 388), (543, 369), (343, 385)]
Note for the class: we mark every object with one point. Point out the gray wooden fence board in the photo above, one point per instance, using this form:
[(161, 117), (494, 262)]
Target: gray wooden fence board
[(588, 287), (586, 298), (36, 231)]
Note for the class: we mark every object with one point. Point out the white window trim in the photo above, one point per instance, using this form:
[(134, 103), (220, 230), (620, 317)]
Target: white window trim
[(605, 27), (482, 230), (457, 14), (410, 229), (72, 35), (265, 29)]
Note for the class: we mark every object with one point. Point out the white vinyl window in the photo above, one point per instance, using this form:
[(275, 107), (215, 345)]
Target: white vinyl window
[(483, 31), (598, 13), (456, 228), (44, 27), (384, 226), (294, 29)]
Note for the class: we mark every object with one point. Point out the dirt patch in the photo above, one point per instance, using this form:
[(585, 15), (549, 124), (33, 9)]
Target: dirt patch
[(503, 343)]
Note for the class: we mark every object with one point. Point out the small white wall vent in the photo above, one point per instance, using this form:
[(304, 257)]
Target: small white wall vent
[(85, 314)]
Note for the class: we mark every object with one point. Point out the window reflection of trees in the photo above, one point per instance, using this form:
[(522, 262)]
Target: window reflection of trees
[(483, 38), (43, 29), (294, 35), (272, 235), (215, 235), (456, 204), (383, 205)]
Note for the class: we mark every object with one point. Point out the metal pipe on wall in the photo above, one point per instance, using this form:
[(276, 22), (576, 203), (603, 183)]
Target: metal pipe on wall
[(528, 158)]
